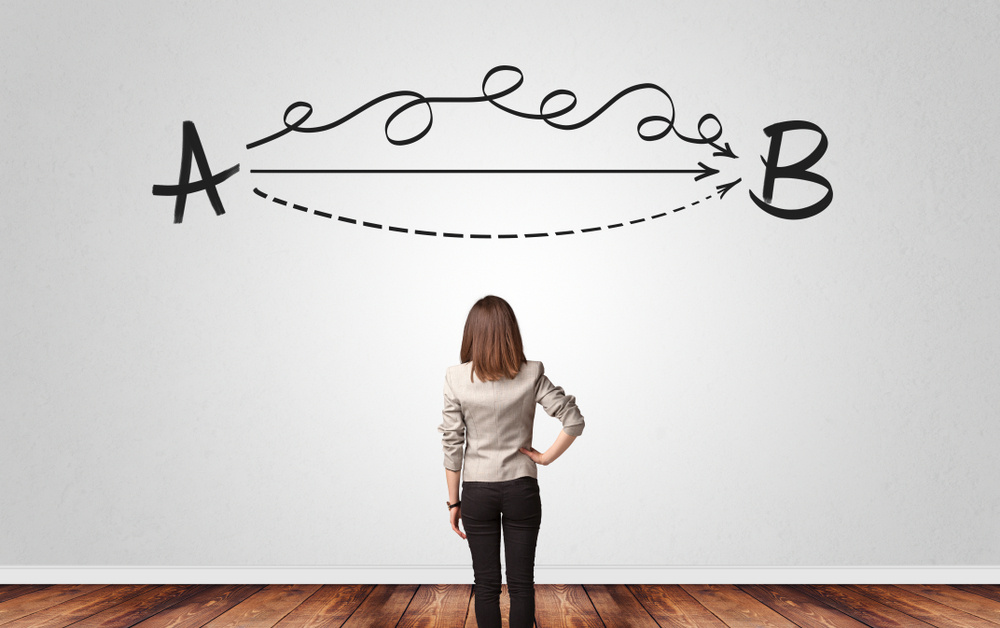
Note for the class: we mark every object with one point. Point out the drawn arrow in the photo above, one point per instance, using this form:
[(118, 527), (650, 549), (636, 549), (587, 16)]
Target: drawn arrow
[(298, 112), (725, 187), (284, 202), (723, 152), (702, 172)]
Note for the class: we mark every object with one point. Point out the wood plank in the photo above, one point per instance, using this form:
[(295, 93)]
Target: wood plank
[(735, 607), (329, 607), (991, 591), (11, 591), (139, 607), (442, 606), (564, 605), (971, 603), (802, 609), (930, 611), (860, 607), (470, 619), (617, 606), (210, 601), (42, 599), (438, 605), (264, 608), (383, 606), (99, 598), (673, 607)]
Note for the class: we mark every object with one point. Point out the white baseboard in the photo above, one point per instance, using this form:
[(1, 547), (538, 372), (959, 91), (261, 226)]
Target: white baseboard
[(444, 574)]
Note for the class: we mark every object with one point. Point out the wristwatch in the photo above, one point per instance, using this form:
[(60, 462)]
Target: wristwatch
[(450, 506)]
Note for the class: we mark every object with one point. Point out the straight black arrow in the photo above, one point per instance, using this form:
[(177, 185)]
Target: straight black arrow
[(702, 172)]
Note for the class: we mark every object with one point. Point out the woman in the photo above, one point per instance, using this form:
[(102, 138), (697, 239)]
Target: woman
[(489, 406)]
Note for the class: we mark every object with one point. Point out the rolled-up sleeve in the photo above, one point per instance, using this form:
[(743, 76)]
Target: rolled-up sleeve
[(452, 429), (559, 405)]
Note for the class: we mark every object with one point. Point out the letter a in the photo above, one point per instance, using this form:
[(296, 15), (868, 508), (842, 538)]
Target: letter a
[(208, 182), (798, 170)]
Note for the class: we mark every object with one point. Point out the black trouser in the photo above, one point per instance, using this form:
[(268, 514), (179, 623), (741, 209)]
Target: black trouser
[(482, 504)]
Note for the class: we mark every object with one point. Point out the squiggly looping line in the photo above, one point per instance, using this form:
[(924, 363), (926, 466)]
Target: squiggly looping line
[(304, 111)]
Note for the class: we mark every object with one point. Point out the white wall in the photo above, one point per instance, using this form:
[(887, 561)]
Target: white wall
[(263, 387)]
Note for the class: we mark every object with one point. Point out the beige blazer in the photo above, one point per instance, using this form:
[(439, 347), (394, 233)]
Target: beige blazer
[(494, 419)]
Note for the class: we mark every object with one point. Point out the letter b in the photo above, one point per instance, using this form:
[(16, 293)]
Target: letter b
[(799, 170)]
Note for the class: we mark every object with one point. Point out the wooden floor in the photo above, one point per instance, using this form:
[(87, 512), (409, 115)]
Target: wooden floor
[(427, 606)]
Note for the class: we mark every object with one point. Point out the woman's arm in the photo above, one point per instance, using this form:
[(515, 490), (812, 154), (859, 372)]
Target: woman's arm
[(454, 514), (452, 429), (558, 404), (452, 477), (563, 441)]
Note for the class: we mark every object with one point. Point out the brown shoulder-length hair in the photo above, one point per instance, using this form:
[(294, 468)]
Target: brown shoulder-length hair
[(492, 340)]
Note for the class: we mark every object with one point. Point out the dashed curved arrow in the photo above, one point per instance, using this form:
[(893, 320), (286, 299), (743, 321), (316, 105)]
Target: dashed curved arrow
[(720, 190)]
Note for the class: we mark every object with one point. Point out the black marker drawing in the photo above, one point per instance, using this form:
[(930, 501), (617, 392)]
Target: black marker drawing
[(418, 99), (702, 171), (299, 112), (799, 170), (721, 190), (192, 145)]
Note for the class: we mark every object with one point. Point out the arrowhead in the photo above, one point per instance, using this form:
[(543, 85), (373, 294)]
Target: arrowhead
[(725, 187), (706, 171), (724, 152)]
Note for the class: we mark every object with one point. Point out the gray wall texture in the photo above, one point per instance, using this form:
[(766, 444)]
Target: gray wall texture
[(263, 387)]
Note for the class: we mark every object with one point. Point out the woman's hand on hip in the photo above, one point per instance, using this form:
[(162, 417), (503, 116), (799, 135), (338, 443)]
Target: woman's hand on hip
[(455, 514), (535, 455)]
